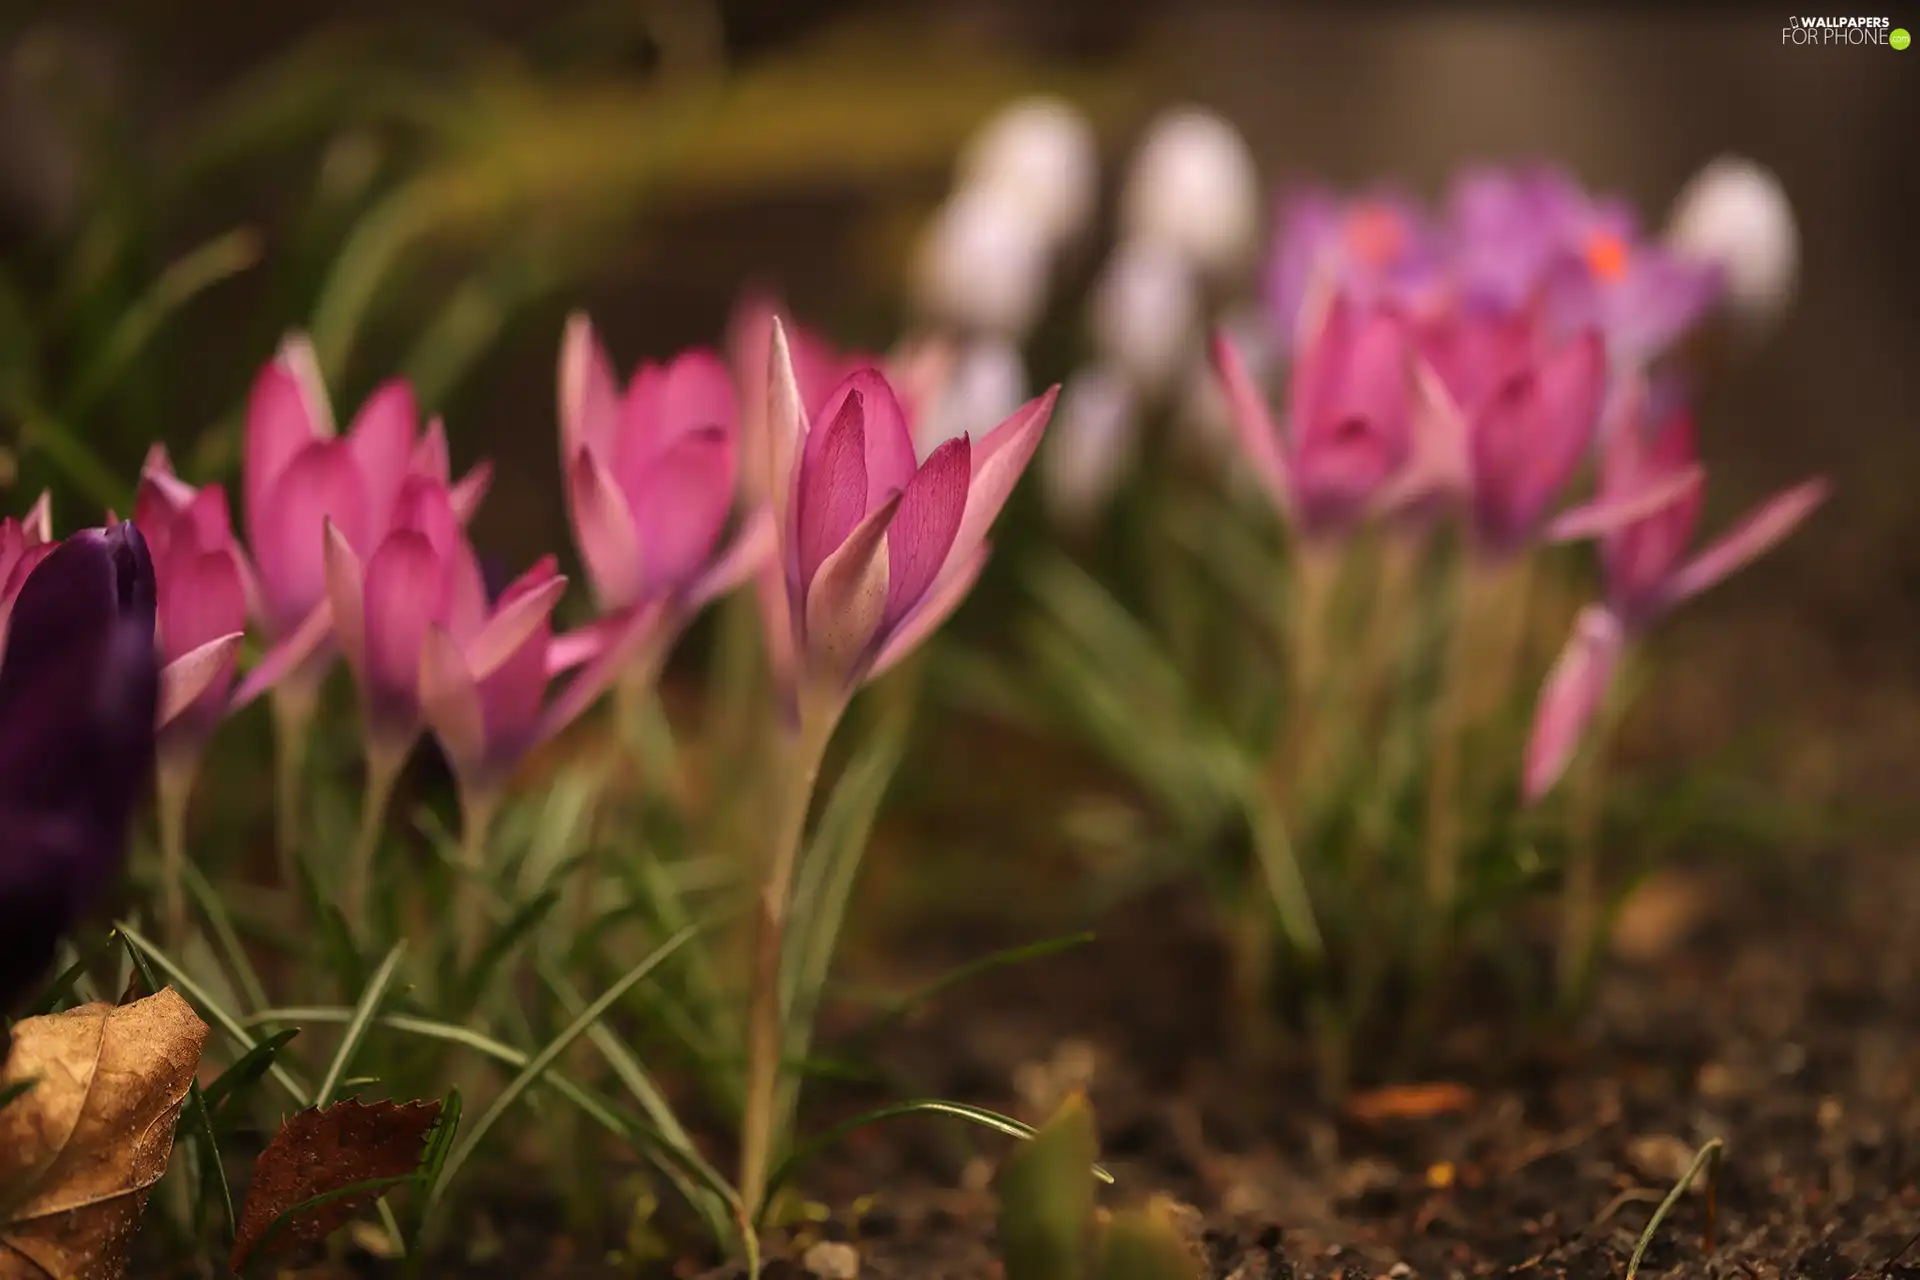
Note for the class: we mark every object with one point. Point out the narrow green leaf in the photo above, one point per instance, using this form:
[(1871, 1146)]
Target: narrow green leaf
[(62, 986), (363, 1015), (246, 1071), (371, 1186), (1010, 956), (542, 1061), (523, 922), (232, 949)]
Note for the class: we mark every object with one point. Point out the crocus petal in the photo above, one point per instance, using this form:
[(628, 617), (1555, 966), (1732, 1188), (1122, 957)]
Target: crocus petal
[(286, 657), (935, 607), (603, 529), (999, 460), (303, 362), (162, 493), (1437, 469), (589, 397), (1572, 694), (1765, 528), (848, 598), (467, 495), (577, 648), (404, 577), (195, 673), (753, 546), (1259, 436), (1610, 513), (38, 522), (833, 486), (381, 441), (889, 444), (786, 429), (450, 701), (633, 631), (430, 458), (346, 599), (695, 393), (1529, 437), (520, 618), (680, 502), (923, 528), (200, 597), (321, 484), (279, 425)]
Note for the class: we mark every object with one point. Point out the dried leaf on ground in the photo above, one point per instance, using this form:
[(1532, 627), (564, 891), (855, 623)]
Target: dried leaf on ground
[(1409, 1102), (325, 1150), (79, 1152)]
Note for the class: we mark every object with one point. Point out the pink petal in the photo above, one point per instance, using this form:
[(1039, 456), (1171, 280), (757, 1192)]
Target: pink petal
[(279, 426), (935, 607), (1259, 436), (522, 620), (833, 487), (786, 430), (1437, 470), (1611, 513), (297, 354), (1765, 528), (346, 599), (777, 625), (577, 648), (195, 673), (381, 440), (923, 529), (696, 393), (1319, 366), (848, 598), (999, 460), (604, 532), (471, 491), (753, 546), (450, 703), (631, 633), (404, 578), (889, 444), (37, 525), (1570, 697), (589, 398), (511, 698), (430, 457), (680, 504), (291, 654), (1530, 436), (201, 597), (209, 518), (320, 484)]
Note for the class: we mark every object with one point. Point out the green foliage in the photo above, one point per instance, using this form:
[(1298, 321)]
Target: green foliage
[(1050, 1227)]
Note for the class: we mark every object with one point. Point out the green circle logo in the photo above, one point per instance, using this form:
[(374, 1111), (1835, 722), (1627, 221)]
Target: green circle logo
[(1899, 38)]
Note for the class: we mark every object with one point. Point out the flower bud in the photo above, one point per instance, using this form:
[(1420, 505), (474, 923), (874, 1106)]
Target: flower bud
[(1146, 312), (1193, 187), (1735, 215), (983, 264), (1041, 152)]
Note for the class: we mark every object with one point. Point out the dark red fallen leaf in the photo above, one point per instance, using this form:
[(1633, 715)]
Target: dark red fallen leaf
[(324, 1150)]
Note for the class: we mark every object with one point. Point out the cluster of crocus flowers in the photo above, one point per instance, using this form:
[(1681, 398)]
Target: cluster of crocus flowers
[(79, 693)]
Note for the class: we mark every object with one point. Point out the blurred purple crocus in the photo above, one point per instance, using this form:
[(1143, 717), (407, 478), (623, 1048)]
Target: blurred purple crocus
[(79, 688), (1379, 247), (877, 551), (1647, 571), (1531, 234)]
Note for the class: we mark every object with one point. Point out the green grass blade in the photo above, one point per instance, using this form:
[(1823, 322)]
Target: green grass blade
[(523, 922), (180, 283), (233, 1026), (1708, 1158), (904, 1007), (62, 986), (224, 934), (363, 1015), (369, 1187), (197, 1111), (246, 1071), (923, 1106)]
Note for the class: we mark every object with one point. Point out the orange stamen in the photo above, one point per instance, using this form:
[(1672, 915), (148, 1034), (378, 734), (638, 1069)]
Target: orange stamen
[(1606, 256), (1375, 234)]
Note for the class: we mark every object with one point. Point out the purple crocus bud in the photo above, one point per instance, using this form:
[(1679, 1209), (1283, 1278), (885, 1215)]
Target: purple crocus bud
[(422, 573), (1529, 413), (202, 578), (299, 475), (79, 686), (875, 550), (483, 692), (24, 543), (650, 473), (1350, 409)]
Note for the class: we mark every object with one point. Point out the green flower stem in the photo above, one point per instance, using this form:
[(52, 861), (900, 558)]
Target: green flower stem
[(765, 1032), (293, 704), (172, 789), (1580, 885), (383, 772), (477, 812)]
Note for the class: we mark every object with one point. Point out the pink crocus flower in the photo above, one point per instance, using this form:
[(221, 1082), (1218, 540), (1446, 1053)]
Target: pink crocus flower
[(204, 582), (1647, 571), (875, 550), (24, 543), (299, 475), (1364, 433)]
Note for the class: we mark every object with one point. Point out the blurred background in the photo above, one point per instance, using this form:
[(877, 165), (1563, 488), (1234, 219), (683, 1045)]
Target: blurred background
[(430, 187)]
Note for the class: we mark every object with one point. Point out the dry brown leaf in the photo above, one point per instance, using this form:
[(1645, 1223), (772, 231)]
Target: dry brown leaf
[(1409, 1102), (323, 1150), (80, 1151)]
